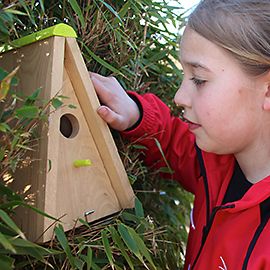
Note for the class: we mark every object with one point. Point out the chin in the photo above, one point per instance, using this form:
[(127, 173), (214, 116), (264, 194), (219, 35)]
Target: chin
[(210, 148)]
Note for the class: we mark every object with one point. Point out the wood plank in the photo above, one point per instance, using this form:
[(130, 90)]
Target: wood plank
[(41, 66), (88, 100), (78, 190)]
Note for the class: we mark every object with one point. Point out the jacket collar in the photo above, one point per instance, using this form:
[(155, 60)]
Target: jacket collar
[(254, 196)]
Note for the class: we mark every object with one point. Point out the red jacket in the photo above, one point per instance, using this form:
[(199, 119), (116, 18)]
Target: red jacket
[(233, 236)]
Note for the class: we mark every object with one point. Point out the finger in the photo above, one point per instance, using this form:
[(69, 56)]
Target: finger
[(99, 77), (95, 75), (99, 86), (111, 117)]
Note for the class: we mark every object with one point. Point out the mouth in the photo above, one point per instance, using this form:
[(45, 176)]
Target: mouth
[(191, 125)]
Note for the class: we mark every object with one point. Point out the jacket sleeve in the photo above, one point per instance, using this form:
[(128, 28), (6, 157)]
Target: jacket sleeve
[(158, 127)]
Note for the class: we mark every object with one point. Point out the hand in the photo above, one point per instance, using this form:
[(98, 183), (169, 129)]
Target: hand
[(119, 110)]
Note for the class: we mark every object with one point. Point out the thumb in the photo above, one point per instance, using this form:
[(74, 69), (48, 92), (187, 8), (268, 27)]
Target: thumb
[(111, 117)]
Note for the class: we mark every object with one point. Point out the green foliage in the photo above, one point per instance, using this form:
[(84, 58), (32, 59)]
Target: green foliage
[(166, 205), (128, 39), (110, 243), (16, 124)]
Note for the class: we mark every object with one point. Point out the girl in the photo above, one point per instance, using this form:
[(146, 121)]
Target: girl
[(221, 152)]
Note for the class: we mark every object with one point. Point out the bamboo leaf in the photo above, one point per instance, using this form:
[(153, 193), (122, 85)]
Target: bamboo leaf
[(164, 170), (130, 217), (6, 263), (6, 82), (14, 11), (112, 10), (89, 258), (60, 234), (26, 247), (27, 8), (102, 62), (164, 158), (6, 243), (4, 127), (2, 153), (24, 243), (129, 241), (24, 147), (42, 5), (107, 248), (139, 208), (158, 56), (28, 112), (57, 103), (117, 240), (78, 263), (124, 9), (95, 267), (6, 219), (75, 6), (37, 210), (142, 247), (139, 147), (32, 98), (4, 30), (71, 106), (3, 73)]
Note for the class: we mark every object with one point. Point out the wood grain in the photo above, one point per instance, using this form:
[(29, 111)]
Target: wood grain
[(56, 65), (89, 102)]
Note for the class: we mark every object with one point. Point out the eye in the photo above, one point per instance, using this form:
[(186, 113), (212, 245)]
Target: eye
[(197, 81)]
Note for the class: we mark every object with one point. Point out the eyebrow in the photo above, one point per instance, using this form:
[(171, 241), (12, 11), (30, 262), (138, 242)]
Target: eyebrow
[(196, 65)]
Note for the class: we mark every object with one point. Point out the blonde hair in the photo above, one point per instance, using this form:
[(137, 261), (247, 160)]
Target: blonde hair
[(242, 27)]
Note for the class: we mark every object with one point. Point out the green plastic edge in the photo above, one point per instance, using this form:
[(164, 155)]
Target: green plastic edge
[(61, 29)]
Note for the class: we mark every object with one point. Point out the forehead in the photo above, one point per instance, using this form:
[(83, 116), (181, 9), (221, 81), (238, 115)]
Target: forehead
[(196, 50)]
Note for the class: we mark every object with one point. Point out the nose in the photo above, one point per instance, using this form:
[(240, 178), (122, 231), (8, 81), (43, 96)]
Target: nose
[(182, 97)]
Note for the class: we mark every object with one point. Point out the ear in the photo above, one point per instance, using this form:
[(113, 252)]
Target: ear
[(266, 103)]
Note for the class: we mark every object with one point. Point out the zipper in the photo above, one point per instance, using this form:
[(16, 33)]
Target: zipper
[(265, 216), (205, 181), (209, 218), (207, 227)]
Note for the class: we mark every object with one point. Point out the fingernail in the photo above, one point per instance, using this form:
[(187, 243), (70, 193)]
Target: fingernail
[(103, 110)]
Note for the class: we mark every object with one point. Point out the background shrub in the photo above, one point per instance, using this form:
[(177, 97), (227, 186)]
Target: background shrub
[(131, 40)]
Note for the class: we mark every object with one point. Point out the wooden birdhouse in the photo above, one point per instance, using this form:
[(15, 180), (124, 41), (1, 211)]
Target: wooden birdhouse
[(98, 186)]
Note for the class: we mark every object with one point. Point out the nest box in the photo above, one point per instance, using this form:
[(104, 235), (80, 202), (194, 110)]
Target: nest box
[(51, 60)]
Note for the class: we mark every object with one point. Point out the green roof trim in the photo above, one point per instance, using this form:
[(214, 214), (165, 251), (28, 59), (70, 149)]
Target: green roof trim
[(61, 29)]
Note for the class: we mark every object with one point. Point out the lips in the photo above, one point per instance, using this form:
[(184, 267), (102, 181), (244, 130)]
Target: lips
[(191, 125)]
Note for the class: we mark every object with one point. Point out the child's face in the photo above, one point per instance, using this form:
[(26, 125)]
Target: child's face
[(223, 104)]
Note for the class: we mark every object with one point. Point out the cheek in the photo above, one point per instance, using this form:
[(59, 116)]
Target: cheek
[(216, 104), (208, 109), (215, 117)]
